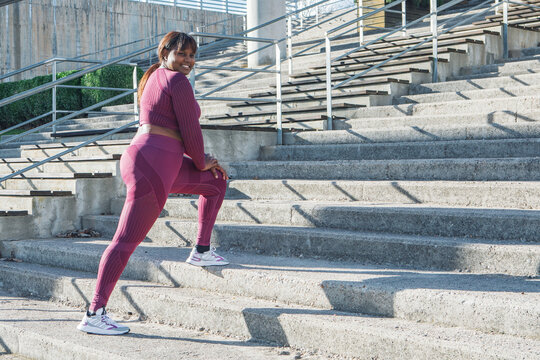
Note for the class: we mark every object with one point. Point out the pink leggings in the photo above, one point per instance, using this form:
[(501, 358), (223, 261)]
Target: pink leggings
[(152, 167)]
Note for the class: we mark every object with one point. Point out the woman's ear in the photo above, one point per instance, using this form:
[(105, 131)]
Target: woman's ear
[(164, 55)]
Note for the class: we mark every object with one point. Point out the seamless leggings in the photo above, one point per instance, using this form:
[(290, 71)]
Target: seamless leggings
[(152, 167)]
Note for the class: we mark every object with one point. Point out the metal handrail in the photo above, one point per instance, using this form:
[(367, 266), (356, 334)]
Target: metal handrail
[(51, 60), (277, 100), (433, 38)]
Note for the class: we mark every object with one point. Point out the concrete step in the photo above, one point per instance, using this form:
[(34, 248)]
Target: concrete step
[(342, 109), (502, 92), (15, 224), (518, 195), (361, 97), (28, 334), (529, 103), (357, 133), (73, 164), (411, 74), (393, 86), (422, 62), (418, 219), (501, 123), (503, 148), (420, 296), (398, 250), (526, 80), (112, 147), (513, 66), (49, 213), (10, 153), (281, 324), (514, 169)]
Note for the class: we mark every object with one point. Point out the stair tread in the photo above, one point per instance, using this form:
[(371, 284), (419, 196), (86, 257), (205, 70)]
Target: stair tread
[(153, 341), (312, 270)]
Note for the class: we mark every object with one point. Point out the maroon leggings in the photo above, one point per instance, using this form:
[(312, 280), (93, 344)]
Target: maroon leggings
[(152, 167)]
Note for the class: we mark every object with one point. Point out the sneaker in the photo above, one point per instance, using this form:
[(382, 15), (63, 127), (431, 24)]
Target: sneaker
[(206, 259), (101, 324)]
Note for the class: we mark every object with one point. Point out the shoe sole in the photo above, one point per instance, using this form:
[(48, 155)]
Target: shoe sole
[(95, 331), (201, 264)]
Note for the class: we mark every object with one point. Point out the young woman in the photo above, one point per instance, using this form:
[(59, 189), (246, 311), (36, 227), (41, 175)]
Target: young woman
[(154, 165)]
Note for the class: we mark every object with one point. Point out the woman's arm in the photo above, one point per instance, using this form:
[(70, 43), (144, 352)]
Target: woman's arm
[(187, 113)]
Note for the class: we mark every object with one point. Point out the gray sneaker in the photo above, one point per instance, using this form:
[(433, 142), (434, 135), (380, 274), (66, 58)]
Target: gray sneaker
[(101, 324)]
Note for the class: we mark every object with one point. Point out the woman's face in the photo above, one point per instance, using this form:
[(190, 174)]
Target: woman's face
[(180, 60)]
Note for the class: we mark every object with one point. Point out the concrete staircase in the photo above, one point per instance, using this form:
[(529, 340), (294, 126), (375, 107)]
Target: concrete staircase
[(408, 232)]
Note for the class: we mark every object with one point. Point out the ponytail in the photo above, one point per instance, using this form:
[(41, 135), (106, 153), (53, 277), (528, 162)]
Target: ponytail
[(144, 79)]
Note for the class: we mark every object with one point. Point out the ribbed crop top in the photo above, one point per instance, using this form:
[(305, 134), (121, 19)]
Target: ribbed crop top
[(168, 101)]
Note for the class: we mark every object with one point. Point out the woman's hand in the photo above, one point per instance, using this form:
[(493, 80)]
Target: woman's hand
[(210, 162), (213, 166), (217, 168)]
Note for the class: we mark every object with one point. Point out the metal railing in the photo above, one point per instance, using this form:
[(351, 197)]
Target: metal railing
[(58, 83), (267, 69), (435, 33)]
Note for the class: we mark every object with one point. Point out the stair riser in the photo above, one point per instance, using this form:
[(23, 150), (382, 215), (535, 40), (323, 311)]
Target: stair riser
[(16, 227), (468, 85), (418, 150), (372, 249), (443, 169), (523, 104), (460, 194), (471, 95)]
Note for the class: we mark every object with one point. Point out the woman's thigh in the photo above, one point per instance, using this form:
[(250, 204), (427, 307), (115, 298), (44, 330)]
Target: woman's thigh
[(191, 180)]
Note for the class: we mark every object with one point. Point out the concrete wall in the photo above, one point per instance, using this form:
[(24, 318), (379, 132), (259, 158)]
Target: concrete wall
[(35, 30)]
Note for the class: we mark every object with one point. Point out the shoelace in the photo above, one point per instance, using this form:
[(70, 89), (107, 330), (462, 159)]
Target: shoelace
[(107, 320)]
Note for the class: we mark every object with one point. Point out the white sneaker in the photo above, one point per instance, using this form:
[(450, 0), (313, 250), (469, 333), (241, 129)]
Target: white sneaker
[(101, 324), (207, 258)]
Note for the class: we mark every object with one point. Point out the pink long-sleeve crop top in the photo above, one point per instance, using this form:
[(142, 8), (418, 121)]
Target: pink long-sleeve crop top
[(168, 101)]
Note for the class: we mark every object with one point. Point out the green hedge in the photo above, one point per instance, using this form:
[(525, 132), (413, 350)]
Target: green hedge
[(37, 104), (117, 76)]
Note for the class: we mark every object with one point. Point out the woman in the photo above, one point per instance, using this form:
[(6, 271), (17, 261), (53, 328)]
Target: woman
[(154, 165)]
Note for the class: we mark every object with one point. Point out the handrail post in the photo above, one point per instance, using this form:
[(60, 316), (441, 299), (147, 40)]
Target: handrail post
[(278, 95), (135, 102), (289, 44), (433, 10), (317, 14), (360, 14), (192, 78), (404, 17), (505, 29), (328, 83), (54, 97)]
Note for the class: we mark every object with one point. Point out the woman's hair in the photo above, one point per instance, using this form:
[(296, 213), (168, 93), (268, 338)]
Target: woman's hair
[(170, 42)]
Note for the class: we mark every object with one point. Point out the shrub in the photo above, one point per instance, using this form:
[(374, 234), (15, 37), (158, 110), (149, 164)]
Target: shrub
[(38, 104), (115, 76)]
